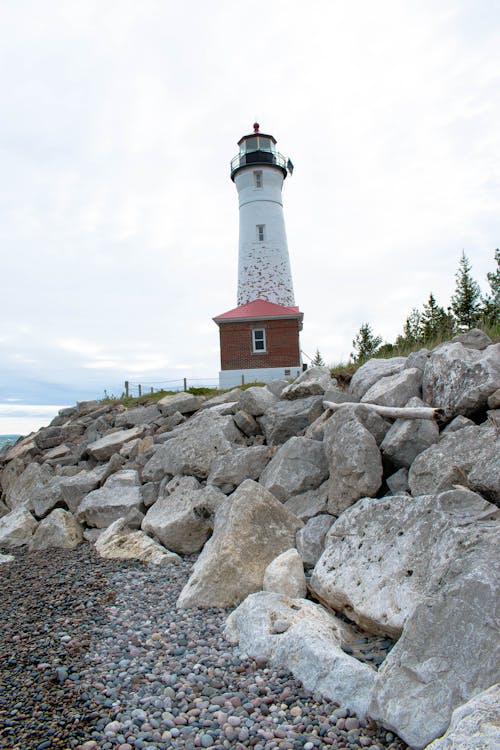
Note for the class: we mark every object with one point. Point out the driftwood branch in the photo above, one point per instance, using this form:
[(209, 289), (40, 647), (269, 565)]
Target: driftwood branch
[(393, 412)]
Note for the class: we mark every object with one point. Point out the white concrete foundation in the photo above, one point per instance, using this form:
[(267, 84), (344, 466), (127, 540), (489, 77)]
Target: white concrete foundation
[(232, 378)]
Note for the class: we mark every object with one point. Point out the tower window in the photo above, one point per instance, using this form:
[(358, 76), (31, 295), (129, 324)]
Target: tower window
[(260, 232), (257, 178), (259, 340)]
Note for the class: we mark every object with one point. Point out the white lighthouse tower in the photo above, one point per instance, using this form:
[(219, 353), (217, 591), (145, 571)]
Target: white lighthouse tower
[(259, 339), (258, 172)]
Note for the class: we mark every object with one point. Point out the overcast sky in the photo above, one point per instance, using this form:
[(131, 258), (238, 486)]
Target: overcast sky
[(118, 218)]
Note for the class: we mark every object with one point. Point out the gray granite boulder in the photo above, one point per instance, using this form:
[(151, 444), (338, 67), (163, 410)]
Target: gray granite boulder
[(395, 390), (312, 382), (297, 466), (400, 548), (310, 503), (59, 530), (473, 339), (287, 419), (229, 470), (182, 517), (373, 370), (251, 528), (138, 415), (456, 424), (285, 575), (21, 489), (475, 725), (398, 482), (246, 423), (193, 446), (311, 539), (256, 400), (354, 460), (408, 437), (460, 380), (449, 650), (468, 457), (120, 494)]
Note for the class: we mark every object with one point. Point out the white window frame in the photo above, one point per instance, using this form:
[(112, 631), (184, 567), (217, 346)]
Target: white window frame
[(259, 340), (258, 179), (261, 232)]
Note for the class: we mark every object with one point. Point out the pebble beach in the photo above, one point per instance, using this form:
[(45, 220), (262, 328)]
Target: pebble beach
[(94, 654)]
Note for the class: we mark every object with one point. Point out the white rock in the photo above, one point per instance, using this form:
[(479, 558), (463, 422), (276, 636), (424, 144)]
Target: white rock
[(285, 575), (59, 530), (312, 382), (16, 528), (395, 390), (251, 528), (256, 400), (460, 380), (119, 542), (399, 547), (408, 437), (104, 448), (286, 419), (229, 470), (185, 403), (473, 339), (373, 370), (475, 725), (6, 559)]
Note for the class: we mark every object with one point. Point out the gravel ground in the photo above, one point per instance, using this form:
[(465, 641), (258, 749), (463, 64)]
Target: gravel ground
[(94, 654)]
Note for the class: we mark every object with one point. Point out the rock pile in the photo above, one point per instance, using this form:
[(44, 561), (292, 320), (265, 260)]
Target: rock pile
[(393, 517)]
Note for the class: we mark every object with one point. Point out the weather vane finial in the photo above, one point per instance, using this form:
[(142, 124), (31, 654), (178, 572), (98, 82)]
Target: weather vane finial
[(256, 127)]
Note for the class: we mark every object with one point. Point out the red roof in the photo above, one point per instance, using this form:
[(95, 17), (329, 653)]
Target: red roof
[(259, 309)]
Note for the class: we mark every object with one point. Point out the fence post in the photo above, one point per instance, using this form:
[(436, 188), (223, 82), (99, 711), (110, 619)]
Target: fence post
[(242, 380), (185, 385), (126, 388), (140, 390), (152, 391)]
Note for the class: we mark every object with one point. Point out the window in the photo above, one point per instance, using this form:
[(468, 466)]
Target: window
[(259, 340), (260, 232), (257, 179)]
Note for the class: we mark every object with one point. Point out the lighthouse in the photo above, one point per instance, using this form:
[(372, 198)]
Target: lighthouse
[(259, 339)]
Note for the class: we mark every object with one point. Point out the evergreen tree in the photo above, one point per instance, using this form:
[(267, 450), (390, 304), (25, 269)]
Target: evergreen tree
[(317, 360), (491, 302), (465, 303), (412, 329), (365, 344), (435, 322)]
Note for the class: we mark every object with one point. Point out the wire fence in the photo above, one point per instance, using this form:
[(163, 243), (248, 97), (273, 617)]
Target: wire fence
[(133, 389)]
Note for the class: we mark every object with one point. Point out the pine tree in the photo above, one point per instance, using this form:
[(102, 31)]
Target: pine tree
[(317, 360), (365, 344), (491, 302), (412, 329), (435, 322), (465, 303)]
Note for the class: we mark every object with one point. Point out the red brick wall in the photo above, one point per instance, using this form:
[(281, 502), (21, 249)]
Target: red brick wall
[(282, 345)]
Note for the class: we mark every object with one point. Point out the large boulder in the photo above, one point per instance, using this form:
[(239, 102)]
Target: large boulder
[(251, 528), (193, 446), (229, 470), (400, 548), (459, 380), (120, 494), (120, 542), (473, 339), (302, 637), (313, 382), (353, 458), (287, 419), (407, 438), (33, 481), (17, 528), (468, 456), (285, 575), (449, 650), (59, 530), (373, 370), (475, 725), (74, 488), (395, 390), (185, 403), (103, 448), (256, 400), (297, 466), (138, 415), (182, 517)]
